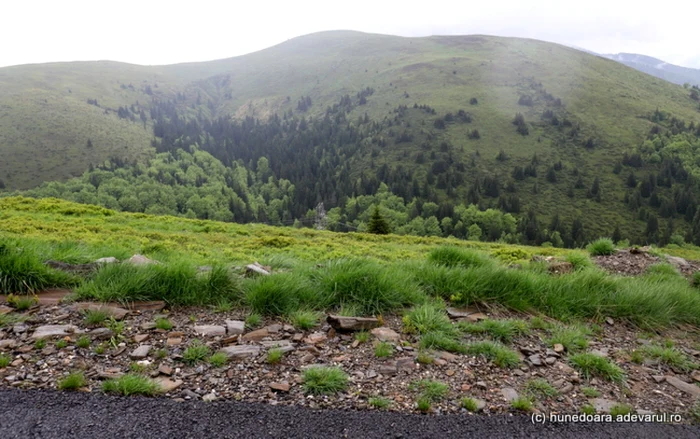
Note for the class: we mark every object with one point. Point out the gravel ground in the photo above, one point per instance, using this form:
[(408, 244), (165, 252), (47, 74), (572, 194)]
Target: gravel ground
[(49, 414)]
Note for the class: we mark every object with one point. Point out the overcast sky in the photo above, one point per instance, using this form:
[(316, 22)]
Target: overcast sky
[(165, 32)]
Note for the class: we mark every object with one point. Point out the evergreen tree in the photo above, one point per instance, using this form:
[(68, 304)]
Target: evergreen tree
[(377, 224), (617, 234)]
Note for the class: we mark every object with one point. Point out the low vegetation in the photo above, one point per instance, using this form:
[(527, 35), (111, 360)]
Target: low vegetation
[(322, 380), (72, 381), (164, 324), (5, 360), (601, 247), (131, 384), (469, 404), (383, 350), (669, 356), (219, 359), (379, 402), (274, 355), (304, 319), (522, 403), (539, 388), (501, 356), (591, 365), (573, 338), (195, 352), (21, 271), (500, 330)]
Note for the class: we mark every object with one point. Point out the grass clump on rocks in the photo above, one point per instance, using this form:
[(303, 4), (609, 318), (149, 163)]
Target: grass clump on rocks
[(72, 381), (500, 330), (324, 380), (196, 352), (573, 338), (21, 271), (131, 384), (601, 247), (304, 319), (595, 365), (496, 352)]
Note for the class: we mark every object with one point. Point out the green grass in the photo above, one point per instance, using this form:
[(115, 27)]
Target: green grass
[(579, 260), (10, 319), (588, 409), (274, 356), (620, 410), (496, 352), (40, 343), (590, 392), (573, 338), (424, 358), (362, 336), (601, 247), (5, 360), (383, 350), (100, 349), (440, 340), (280, 294), (219, 359), (522, 404), (21, 271), (500, 330), (72, 381), (469, 404), (661, 271), (591, 365), (175, 283), (304, 319), (131, 384), (428, 317), (83, 342), (323, 380), (60, 344), (449, 256), (223, 305), (424, 404), (163, 323), (196, 352), (432, 390), (695, 413), (22, 302), (379, 402), (253, 320), (161, 354), (95, 317), (540, 388), (669, 356), (138, 368)]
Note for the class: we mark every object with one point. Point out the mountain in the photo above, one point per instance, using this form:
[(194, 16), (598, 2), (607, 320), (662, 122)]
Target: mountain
[(446, 121), (656, 67)]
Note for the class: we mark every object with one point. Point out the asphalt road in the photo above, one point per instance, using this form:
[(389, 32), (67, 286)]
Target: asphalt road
[(50, 414)]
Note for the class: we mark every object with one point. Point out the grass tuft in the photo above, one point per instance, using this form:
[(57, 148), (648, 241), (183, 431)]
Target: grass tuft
[(496, 352), (280, 294), (458, 257), (164, 324), (73, 381), (131, 384), (5, 360), (522, 404), (95, 317), (379, 402), (253, 320), (594, 365), (590, 392), (274, 355), (322, 380), (469, 404), (22, 302), (425, 358), (362, 336), (540, 388), (669, 356), (620, 410), (573, 338), (219, 359), (500, 330), (601, 247), (195, 352), (383, 350), (304, 319), (21, 271), (440, 340), (428, 317), (431, 390), (83, 342)]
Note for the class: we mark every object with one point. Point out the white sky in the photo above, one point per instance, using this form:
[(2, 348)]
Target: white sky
[(165, 32)]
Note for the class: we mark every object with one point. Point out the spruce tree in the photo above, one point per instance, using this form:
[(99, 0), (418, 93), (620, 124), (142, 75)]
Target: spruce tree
[(377, 224)]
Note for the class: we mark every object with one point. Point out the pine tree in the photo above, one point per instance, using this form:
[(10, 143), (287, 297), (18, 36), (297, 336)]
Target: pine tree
[(377, 224), (617, 234)]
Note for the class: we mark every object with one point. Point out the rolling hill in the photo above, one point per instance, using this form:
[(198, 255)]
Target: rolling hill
[(656, 67), (432, 118)]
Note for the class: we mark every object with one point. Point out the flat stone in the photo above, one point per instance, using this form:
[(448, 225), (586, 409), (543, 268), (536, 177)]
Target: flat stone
[(388, 369), (535, 359), (609, 321), (48, 331), (307, 358), (241, 351), (406, 364), (209, 397), (447, 356), (480, 404), (602, 405), (458, 313), (696, 376), (283, 345), (235, 327), (107, 260), (509, 393), (140, 338), (600, 352), (140, 260), (690, 389), (256, 268), (659, 378), (567, 388), (316, 338), (677, 261), (558, 348), (210, 330), (20, 328), (165, 370), (8, 344), (5, 309), (477, 317), (275, 329), (113, 311), (167, 385), (282, 386), (173, 341), (550, 360), (230, 340), (482, 385), (256, 335), (564, 367), (353, 323), (386, 334), (140, 352)]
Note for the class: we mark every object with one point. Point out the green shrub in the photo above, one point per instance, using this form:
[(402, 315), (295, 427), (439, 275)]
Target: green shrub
[(496, 352), (195, 352), (218, 359), (573, 338), (5, 360), (379, 402), (540, 388), (304, 319), (601, 247), (177, 283), (469, 404), (442, 341), (594, 365), (578, 260), (458, 257), (164, 324), (131, 384), (620, 410), (521, 403), (500, 330), (590, 392), (73, 381), (280, 294), (383, 350), (321, 380), (428, 317), (274, 355), (21, 271)]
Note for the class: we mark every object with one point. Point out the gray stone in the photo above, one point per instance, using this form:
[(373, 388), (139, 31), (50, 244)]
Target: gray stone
[(20, 328), (235, 327), (480, 404), (352, 323), (107, 260), (388, 369), (283, 345), (482, 385), (140, 352), (535, 359), (690, 389), (101, 333), (568, 387), (509, 393), (113, 311), (140, 260), (282, 386), (241, 351), (558, 348), (406, 364), (602, 405), (7, 344), (550, 360), (167, 385), (677, 262), (47, 331), (659, 378), (256, 268), (210, 330), (209, 397), (386, 334)]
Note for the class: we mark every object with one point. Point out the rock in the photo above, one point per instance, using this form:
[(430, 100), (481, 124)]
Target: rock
[(603, 352), (477, 317), (518, 373), (20, 328), (439, 362), (140, 338), (275, 329), (283, 345), (447, 356), (282, 386), (677, 262), (564, 367), (535, 359), (406, 364), (353, 323), (458, 313), (256, 335), (386, 334), (48, 331), (107, 260), (140, 260), (5, 309), (173, 341), (509, 393), (316, 338), (307, 358), (110, 374), (696, 376), (209, 397), (188, 394), (567, 388), (480, 404), (552, 353), (7, 344), (113, 311), (690, 389), (167, 385), (550, 360), (659, 378), (241, 351), (388, 369), (140, 352), (101, 333), (558, 348), (450, 372), (602, 405), (482, 385), (255, 268), (235, 327), (165, 370), (609, 321), (210, 330), (528, 350), (230, 340)]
